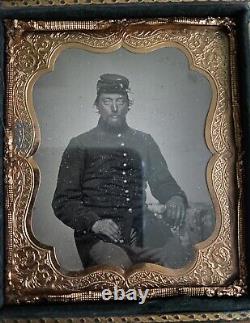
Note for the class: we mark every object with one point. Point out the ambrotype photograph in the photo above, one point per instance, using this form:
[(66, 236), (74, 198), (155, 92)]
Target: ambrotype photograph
[(123, 159), (129, 138)]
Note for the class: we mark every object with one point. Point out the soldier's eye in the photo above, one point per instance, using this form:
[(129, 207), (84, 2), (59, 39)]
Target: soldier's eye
[(120, 101), (107, 101)]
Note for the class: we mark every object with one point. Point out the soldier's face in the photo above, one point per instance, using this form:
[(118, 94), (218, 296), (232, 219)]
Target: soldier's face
[(113, 108)]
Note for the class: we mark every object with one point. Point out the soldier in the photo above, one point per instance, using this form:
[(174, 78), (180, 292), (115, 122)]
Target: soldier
[(102, 179)]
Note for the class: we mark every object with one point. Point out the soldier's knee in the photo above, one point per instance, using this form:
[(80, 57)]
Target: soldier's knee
[(104, 253)]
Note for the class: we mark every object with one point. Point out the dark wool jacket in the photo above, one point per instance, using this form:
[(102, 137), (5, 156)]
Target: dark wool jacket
[(103, 174)]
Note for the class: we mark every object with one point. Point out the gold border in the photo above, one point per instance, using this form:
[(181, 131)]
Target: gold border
[(238, 316), (51, 3), (32, 268)]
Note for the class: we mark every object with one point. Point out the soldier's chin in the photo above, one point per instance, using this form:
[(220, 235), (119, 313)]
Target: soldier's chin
[(115, 122)]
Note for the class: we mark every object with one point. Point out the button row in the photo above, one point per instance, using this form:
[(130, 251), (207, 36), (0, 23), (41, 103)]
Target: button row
[(130, 210)]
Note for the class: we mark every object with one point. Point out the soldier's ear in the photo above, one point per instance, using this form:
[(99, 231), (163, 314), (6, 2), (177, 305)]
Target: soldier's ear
[(95, 107), (96, 103)]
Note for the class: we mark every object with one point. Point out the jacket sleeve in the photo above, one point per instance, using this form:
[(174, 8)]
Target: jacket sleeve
[(162, 184), (68, 203)]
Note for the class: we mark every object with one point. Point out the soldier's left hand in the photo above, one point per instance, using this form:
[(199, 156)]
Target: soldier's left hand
[(176, 210)]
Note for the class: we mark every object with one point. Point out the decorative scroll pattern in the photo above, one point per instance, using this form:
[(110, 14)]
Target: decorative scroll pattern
[(37, 3), (31, 266), (160, 318)]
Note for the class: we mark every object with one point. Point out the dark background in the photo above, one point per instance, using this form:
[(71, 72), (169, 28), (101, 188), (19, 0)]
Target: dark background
[(86, 12)]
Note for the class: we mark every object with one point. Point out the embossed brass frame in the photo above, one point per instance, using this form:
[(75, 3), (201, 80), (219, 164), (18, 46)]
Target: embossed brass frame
[(33, 272), (37, 3), (166, 318)]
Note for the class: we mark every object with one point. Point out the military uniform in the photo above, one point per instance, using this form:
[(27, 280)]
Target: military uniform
[(103, 174)]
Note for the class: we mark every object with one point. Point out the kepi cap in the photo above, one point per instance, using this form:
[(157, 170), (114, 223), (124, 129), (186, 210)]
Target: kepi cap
[(112, 83)]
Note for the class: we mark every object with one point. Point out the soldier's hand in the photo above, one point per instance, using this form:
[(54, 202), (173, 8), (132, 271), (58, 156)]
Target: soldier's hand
[(176, 210), (107, 227), (157, 208)]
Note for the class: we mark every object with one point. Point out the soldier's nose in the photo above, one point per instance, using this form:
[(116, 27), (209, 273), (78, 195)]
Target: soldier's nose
[(114, 107)]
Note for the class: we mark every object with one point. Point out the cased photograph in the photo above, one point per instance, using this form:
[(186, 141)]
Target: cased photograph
[(123, 159)]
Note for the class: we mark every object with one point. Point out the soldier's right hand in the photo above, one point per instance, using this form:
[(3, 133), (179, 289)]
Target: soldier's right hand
[(107, 227)]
